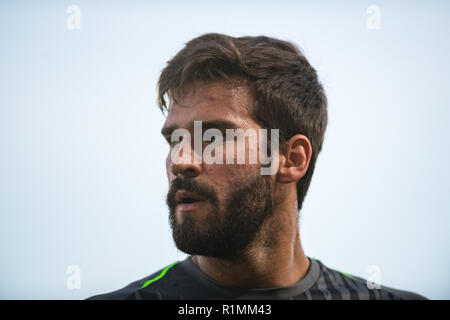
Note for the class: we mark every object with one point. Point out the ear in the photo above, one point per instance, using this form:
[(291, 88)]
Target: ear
[(294, 159)]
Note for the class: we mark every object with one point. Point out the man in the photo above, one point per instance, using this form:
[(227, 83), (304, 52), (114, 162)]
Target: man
[(238, 225)]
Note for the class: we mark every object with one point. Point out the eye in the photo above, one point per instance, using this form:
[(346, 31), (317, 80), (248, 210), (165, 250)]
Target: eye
[(172, 143), (168, 140)]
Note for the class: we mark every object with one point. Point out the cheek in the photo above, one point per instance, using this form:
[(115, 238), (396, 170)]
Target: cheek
[(218, 176), (224, 177), (251, 148)]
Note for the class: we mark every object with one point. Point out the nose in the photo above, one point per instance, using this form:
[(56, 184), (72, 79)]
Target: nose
[(189, 170), (186, 167)]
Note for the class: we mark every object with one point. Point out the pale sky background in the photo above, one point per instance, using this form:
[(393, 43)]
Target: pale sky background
[(82, 173)]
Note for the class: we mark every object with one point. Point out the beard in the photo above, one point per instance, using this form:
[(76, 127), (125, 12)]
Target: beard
[(227, 229)]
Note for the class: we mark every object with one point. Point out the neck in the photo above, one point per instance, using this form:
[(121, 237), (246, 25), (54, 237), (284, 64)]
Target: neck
[(275, 258)]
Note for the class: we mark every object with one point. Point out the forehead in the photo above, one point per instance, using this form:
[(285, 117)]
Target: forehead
[(212, 101)]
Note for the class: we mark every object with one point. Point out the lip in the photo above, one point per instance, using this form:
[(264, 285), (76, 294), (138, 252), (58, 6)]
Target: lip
[(182, 195), (190, 206)]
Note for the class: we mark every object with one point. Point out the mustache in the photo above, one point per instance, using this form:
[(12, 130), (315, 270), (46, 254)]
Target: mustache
[(190, 185)]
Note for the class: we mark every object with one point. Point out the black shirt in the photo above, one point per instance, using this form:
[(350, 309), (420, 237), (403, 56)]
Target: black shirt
[(184, 280)]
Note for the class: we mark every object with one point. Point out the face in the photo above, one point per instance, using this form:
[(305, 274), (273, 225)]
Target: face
[(216, 209)]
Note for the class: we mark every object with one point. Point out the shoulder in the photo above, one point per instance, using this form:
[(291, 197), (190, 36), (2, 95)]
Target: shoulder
[(403, 294), (340, 285), (133, 291)]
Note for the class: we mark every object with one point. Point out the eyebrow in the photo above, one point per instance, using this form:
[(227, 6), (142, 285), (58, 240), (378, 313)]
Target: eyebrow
[(210, 124)]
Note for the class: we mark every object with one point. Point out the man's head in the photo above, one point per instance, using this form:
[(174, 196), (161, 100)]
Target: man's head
[(248, 83)]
